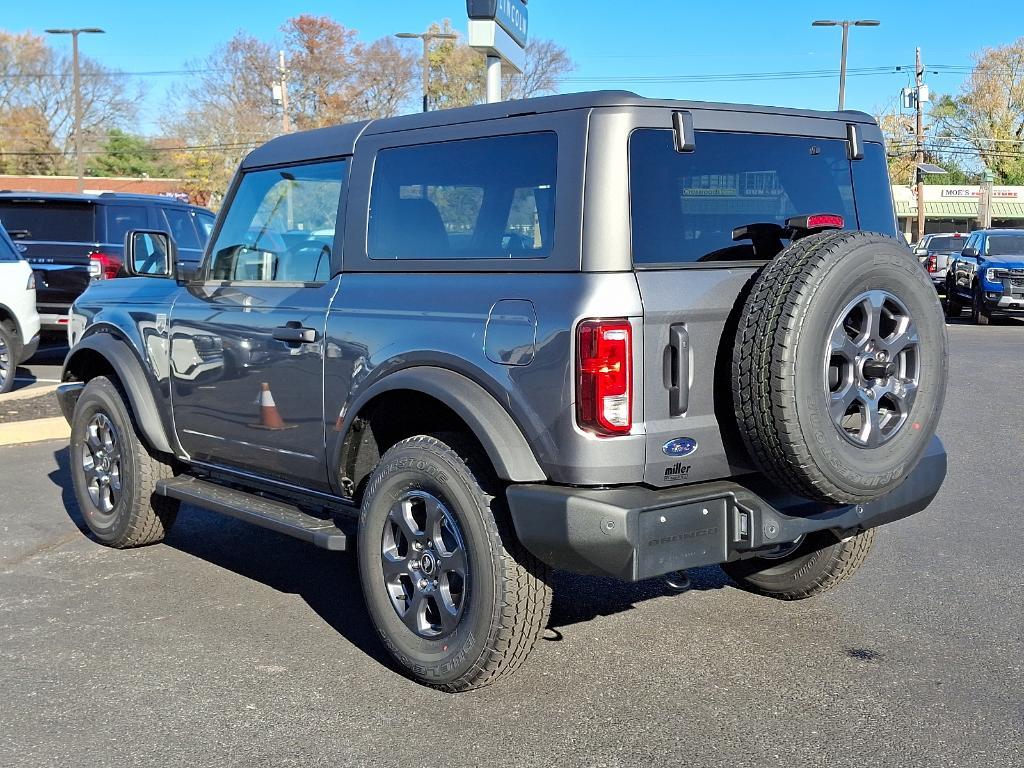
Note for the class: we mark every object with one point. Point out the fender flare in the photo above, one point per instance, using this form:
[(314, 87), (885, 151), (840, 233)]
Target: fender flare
[(502, 439), (136, 384)]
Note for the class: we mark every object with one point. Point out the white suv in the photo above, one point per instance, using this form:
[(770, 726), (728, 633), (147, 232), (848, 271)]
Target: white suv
[(19, 321)]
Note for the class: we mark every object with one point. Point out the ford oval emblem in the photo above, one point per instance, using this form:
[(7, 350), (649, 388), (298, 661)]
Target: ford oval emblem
[(681, 446)]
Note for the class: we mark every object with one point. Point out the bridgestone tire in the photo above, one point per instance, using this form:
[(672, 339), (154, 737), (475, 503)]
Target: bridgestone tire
[(781, 368), (508, 600), (140, 516), (820, 563)]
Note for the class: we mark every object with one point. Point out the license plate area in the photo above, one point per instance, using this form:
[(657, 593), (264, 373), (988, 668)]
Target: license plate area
[(684, 536)]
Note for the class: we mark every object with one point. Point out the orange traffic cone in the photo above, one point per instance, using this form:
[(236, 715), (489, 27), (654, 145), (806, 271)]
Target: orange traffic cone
[(269, 417)]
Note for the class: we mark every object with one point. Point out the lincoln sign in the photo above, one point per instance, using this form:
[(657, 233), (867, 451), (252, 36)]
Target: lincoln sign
[(510, 15)]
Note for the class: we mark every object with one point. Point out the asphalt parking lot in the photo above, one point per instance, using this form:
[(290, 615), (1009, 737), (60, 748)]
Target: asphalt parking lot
[(230, 645)]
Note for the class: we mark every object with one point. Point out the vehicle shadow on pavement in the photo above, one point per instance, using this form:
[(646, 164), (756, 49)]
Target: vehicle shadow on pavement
[(327, 581), (579, 599)]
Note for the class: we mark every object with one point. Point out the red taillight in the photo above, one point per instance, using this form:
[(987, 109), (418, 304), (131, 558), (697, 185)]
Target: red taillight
[(931, 263), (103, 266), (825, 221), (604, 376)]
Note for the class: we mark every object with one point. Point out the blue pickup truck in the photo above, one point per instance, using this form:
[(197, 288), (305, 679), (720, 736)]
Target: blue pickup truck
[(987, 276)]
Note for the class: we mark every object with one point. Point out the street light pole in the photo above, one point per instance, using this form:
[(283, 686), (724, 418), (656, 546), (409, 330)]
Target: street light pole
[(426, 37), (77, 84), (845, 24)]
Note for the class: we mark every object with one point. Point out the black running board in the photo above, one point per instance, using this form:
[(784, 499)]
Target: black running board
[(267, 513)]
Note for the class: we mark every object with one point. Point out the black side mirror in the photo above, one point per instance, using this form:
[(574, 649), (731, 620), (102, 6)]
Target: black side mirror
[(970, 251), (150, 253)]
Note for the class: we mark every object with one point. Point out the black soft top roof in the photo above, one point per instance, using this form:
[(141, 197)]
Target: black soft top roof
[(339, 140)]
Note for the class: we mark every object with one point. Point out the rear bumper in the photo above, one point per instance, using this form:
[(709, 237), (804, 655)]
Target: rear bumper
[(634, 532), (30, 348), (53, 321)]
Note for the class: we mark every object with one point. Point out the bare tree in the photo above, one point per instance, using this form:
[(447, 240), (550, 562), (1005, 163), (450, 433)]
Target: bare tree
[(37, 99), (988, 114), (546, 64), (386, 79)]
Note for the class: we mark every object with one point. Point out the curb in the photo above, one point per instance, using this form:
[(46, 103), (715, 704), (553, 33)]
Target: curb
[(34, 431), (28, 393)]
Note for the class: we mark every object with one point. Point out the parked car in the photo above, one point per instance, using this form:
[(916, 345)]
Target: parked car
[(935, 250), (594, 332), (19, 322), (987, 276), (72, 240)]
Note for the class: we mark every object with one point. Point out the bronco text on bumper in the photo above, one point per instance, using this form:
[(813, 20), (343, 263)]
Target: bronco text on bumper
[(612, 335)]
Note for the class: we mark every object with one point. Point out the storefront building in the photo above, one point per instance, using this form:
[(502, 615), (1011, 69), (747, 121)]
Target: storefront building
[(955, 208)]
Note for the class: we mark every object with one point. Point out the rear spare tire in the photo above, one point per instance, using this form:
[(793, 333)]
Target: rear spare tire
[(839, 366)]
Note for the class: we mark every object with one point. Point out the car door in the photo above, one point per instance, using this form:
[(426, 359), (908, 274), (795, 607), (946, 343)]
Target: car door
[(247, 334)]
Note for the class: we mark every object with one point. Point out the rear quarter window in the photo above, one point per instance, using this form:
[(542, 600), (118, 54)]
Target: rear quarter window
[(487, 198), (685, 205)]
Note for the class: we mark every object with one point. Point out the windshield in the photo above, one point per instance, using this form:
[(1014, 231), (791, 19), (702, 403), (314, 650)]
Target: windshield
[(1005, 245), (946, 243), (60, 221)]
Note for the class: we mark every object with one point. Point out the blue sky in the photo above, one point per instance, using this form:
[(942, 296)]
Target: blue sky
[(627, 41)]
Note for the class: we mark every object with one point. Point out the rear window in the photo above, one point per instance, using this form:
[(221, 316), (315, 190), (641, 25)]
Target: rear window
[(946, 243), (1005, 245), (685, 205), (491, 198), (51, 220)]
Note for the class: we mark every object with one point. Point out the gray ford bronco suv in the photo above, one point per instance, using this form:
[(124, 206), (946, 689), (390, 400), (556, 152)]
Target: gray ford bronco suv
[(593, 332)]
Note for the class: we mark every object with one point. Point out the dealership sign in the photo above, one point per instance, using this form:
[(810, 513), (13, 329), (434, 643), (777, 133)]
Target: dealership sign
[(498, 28)]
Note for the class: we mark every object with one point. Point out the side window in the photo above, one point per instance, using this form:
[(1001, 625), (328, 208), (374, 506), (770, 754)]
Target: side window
[(204, 223), (179, 224), (121, 218), (972, 242), (491, 198), (280, 226)]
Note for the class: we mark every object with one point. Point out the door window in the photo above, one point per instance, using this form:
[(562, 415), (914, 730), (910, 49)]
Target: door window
[(121, 218), (280, 226), (490, 198), (179, 224)]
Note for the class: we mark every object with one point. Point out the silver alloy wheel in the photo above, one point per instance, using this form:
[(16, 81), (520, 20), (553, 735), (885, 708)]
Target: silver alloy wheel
[(5, 362), (872, 368), (101, 462), (425, 565)]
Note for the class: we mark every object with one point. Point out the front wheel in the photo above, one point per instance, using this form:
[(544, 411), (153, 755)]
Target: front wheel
[(805, 568), (456, 600), (114, 473), (978, 314)]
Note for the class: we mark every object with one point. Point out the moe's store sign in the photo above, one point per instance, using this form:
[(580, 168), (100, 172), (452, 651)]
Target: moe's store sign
[(973, 193)]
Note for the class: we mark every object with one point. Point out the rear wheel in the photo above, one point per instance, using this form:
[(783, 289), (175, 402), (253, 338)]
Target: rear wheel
[(978, 314), (805, 568), (8, 362), (114, 473), (454, 597)]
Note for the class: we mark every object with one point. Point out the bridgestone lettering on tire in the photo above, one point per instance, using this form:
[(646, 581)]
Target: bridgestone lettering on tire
[(839, 366), (456, 600)]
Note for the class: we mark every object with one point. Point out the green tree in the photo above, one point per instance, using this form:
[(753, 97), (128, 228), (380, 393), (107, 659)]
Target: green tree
[(123, 154)]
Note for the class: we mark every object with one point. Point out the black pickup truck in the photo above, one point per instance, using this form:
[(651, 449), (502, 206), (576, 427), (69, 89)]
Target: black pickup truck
[(71, 240)]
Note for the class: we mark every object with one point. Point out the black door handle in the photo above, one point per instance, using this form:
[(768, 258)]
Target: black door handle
[(295, 334), (677, 369)]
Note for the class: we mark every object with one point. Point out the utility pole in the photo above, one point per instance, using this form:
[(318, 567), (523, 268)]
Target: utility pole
[(77, 85), (919, 133), (286, 125), (846, 39), (426, 37)]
